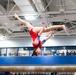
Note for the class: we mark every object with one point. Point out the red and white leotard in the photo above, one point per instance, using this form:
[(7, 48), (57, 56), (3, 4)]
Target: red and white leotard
[(34, 36), (37, 45)]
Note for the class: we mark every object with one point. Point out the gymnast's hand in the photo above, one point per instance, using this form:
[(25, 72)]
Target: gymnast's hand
[(53, 32), (43, 25)]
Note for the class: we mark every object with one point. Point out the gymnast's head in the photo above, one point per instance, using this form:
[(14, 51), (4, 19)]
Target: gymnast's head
[(36, 52)]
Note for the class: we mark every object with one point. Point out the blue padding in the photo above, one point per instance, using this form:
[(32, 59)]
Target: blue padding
[(38, 60)]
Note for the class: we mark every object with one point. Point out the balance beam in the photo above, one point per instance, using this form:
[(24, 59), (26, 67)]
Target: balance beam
[(24, 68)]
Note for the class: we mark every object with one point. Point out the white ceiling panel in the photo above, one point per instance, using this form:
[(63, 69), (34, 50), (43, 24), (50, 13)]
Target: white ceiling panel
[(22, 2), (25, 8), (24, 5), (39, 5)]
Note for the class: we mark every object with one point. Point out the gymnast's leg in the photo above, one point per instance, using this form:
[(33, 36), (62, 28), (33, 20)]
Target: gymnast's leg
[(38, 29)]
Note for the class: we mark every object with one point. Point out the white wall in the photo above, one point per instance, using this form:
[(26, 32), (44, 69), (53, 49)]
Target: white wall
[(26, 42)]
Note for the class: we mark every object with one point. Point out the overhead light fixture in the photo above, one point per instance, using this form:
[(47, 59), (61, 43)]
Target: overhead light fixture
[(61, 10), (31, 16)]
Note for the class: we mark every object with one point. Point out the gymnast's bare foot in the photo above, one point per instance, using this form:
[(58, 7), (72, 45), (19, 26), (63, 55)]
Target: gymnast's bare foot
[(64, 28)]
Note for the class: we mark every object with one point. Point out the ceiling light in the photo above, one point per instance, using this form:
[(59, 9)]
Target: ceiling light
[(30, 17), (61, 10)]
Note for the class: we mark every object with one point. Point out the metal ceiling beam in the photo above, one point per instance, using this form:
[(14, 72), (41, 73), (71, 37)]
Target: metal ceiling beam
[(73, 3), (44, 3), (57, 18), (12, 9), (72, 25), (33, 5), (58, 12), (39, 10), (48, 5), (5, 28), (48, 13), (8, 6), (51, 12), (54, 19), (3, 9)]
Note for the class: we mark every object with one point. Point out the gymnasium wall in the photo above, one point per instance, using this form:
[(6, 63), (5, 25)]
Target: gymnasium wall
[(26, 42)]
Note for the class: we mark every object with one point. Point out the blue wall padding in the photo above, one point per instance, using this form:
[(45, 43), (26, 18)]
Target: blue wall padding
[(38, 60)]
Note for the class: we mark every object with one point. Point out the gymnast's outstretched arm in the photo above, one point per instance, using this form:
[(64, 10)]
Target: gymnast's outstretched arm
[(50, 35)]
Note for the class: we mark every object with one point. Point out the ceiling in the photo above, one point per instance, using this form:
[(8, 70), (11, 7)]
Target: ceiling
[(52, 12)]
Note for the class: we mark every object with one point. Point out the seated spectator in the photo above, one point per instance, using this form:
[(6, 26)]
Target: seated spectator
[(71, 52), (67, 53), (63, 53)]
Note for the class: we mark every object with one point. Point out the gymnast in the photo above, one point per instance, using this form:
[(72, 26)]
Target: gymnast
[(35, 32)]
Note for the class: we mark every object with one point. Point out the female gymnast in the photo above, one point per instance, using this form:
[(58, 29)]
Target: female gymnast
[(35, 33)]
